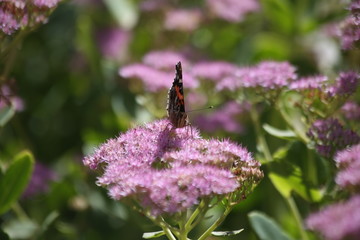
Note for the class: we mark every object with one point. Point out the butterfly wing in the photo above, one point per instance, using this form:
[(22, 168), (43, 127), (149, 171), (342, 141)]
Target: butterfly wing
[(176, 101)]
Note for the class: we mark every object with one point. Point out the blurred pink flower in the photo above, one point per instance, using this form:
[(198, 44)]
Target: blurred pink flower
[(339, 221), (157, 71), (351, 110), (348, 162), (45, 3), (7, 98), (266, 75), (114, 43), (215, 70), (349, 33), (153, 79), (309, 83), (232, 10), (182, 19), (165, 59), (225, 119), (40, 180), (355, 11)]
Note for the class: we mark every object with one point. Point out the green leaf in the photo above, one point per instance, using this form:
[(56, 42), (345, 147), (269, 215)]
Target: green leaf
[(226, 233), (281, 152), (292, 114), (149, 235), (280, 14), (21, 229), (15, 179), (283, 134), (293, 182), (266, 228), (6, 113), (271, 45)]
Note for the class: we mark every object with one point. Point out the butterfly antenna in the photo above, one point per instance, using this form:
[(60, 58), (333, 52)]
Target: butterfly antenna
[(200, 109)]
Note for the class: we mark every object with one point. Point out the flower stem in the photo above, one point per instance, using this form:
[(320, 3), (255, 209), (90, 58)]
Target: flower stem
[(263, 146), (168, 230), (216, 223), (8, 56), (197, 215), (182, 226), (296, 214), (168, 233), (19, 211)]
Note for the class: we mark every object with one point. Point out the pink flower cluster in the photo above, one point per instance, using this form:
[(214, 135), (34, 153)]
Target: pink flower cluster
[(342, 220), (16, 14), (168, 170), (338, 221), (330, 136), (157, 70), (349, 31), (348, 162), (188, 19)]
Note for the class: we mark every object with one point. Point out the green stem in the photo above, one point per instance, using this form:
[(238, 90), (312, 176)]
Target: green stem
[(311, 168), (194, 215), (197, 215), (19, 211), (169, 234), (10, 53), (216, 223), (200, 217), (182, 226), (290, 201), (264, 148), (168, 230)]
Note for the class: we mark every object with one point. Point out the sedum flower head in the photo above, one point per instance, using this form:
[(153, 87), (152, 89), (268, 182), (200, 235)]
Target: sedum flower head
[(17, 14), (329, 136), (267, 75), (349, 33), (309, 83), (213, 70), (355, 11), (345, 84), (348, 162), (338, 221), (169, 170)]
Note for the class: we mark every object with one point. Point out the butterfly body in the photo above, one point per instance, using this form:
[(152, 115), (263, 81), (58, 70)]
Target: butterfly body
[(176, 103)]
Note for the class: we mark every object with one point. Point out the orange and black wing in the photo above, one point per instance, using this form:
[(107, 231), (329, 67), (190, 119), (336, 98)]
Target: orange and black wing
[(176, 101)]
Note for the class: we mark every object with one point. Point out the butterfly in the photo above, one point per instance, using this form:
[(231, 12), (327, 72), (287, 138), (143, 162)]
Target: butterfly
[(176, 103)]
